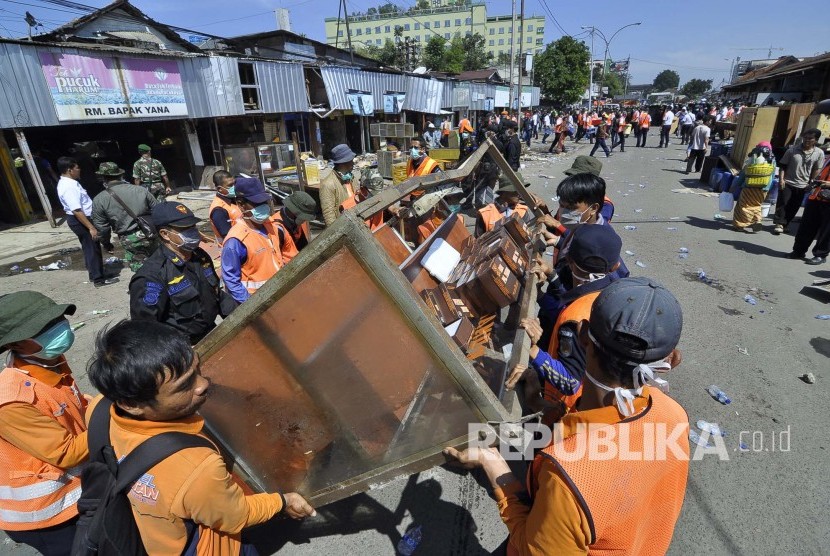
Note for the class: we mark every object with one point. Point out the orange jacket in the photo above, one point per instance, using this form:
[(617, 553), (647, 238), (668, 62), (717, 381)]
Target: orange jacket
[(490, 215), (234, 212), (465, 126), (824, 175), (425, 168), (645, 120), (288, 246), (374, 222), (578, 310), (264, 254), (425, 230), (35, 494)]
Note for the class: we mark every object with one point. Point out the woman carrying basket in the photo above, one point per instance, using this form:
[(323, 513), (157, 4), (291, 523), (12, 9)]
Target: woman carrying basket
[(756, 179)]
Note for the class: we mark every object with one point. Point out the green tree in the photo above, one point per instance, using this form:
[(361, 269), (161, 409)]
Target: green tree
[(454, 56), (476, 56), (666, 79), (433, 53), (388, 8), (696, 87), (615, 84), (422, 5), (562, 70)]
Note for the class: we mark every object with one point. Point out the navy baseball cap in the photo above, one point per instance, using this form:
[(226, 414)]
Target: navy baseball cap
[(636, 320), (173, 214), (595, 248), (251, 190)]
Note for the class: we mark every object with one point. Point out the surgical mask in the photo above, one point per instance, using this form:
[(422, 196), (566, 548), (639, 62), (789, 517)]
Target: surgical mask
[(260, 213), (587, 278), (347, 176), (55, 341), (572, 218), (415, 152), (232, 191), (190, 239)]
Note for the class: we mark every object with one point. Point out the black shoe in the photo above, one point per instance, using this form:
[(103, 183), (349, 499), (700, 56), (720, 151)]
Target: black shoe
[(816, 260), (795, 255), (105, 282)]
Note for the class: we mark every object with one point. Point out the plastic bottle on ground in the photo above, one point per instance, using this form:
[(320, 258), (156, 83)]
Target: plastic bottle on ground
[(751, 300), (409, 542), (711, 428), (718, 394), (695, 437)]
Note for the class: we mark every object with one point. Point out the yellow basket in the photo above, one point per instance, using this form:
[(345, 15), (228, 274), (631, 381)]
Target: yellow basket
[(757, 175), (398, 173)]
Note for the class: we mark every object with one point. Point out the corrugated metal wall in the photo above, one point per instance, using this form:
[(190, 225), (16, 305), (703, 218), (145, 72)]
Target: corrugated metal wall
[(24, 98), (211, 86), (447, 98), (339, 80), (282, 87), (424, 94)]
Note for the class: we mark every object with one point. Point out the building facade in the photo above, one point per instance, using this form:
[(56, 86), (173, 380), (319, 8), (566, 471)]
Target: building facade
[(445, 19)]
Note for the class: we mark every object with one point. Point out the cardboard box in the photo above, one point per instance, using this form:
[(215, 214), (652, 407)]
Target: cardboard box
[(461, 331), (503, 245), (516, 227), (498, 281), (472, 292)]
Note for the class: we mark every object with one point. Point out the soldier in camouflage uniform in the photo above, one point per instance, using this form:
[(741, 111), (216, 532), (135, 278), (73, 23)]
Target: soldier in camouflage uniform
[(108, 214), (150, 173)]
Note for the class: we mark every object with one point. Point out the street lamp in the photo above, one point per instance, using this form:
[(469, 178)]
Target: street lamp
[(607, 48)]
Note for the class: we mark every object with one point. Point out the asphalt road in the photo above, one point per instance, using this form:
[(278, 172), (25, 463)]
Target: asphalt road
[(769, 499)]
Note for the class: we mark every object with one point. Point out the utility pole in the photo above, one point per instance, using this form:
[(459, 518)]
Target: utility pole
[(591, 76), (512, 54), (337, 34), (521, 60), (348, 32), (627, 75)]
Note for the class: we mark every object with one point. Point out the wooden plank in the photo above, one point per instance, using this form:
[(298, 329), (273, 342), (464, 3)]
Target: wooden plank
[(454, 232), (392, 243)]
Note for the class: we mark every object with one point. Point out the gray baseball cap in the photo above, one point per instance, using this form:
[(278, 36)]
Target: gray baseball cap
[(636, 319)]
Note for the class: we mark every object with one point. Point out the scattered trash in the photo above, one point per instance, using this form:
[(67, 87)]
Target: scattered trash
[(762, 311), (743, 447), (630, 228), (641, 264), (68, 250), (701, 274), (638, 210), (683, 250), (695, 437), (823, 317), (751, 300), (674, 218), (672, 229), (642, 186), (629, 253), (719, 395), (112, 260), (99, 312), (809, 378), (409, 542), (683, 256), (78, 325), (546, 177), (718, 216), (57, 265), (625, 194), (15, 268), (711, 428), (742, 350), (27, 270)]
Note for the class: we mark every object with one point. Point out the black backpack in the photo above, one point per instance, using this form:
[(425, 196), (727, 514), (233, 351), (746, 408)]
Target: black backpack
[(106, 525)]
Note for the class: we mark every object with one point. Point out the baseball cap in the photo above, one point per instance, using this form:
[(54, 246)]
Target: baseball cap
[(372, 181), (144, 148), (173, 214), (342, 153), (301, 205), (24, 315), (595, 248), (109, 169), (584, 164), (251, 190), (637, 320), (431, 125)]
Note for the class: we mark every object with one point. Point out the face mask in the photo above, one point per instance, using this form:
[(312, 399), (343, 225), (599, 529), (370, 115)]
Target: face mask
[(454, 208), (586, 277), (572, 218), (260, 213), (190, 239), (55, 341), (415, 152), (232, 191), (346, 177)]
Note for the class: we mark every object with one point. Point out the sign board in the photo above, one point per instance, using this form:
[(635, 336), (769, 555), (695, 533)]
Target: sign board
[(362, 102), (489, 104), (393, 102), (502, 98), (96, 88), (461, 97)]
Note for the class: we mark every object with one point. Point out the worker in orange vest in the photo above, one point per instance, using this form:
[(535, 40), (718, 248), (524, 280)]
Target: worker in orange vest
[(291, 222), (336, 187), (507, 202), (645, 123), (43, 439), (585, 492), (371, 183), (420, 164), (593, 257), (223, 211), (251, 254), (464, 126)]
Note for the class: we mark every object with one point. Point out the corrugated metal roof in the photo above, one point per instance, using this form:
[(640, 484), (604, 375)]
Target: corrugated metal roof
[(211, 86), (282, 87), (447, 98), (338, 80), (24, 98), (424, 94)]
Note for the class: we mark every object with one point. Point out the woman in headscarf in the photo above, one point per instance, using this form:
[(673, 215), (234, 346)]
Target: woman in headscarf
[(756, 179)]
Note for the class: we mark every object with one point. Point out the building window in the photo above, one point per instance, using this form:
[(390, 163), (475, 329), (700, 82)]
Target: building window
[(406, 26), (426, 24), (492, 43), (358, 32), (378, 41), (368, 30), (437, 24), (492, 31), (447, 36), (250, 89), (501, 30), (530, 27), (340, 33), (458, 22), (468, 21), (540, 30), (417, 26), (510, 40), (446, 23), (539, 41), (388, 29), (529, 40), (501, 42)]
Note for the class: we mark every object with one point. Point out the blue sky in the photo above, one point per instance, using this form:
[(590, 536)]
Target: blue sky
[(699, 39)]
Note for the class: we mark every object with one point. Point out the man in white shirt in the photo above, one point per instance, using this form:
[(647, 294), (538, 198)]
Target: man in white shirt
[(668, 118), (687, 122), (78, 208), (699, 143)]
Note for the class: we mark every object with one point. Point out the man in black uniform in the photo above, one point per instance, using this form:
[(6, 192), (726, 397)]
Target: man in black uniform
[(177, 285)]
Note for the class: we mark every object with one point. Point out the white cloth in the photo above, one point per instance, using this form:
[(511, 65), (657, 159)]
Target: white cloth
[(700, 135), (688, 119), (668, 117), (547, 120), (73, 196)]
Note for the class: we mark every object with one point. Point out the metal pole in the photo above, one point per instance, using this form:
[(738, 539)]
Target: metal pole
[(521, 61), (512, 54), (35, 175), (337, 33), (627, 75), (591, 76), (348, 32)]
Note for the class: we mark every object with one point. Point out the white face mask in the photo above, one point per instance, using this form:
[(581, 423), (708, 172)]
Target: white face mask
[(572, 218)]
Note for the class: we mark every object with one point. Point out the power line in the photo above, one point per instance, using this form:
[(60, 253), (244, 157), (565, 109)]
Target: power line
[(544, 4), (681, 67)]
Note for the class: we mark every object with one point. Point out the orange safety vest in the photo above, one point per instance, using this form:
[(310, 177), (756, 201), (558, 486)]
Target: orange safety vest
[(464, 125), (578, 310), (490, 215), (234, 212), (824, 175), (446, 127), (425, 230), (632, 505), (580, 119), (374, 222), (288, 247), (264, 254), (621, 125), (35, 494), (645, 120), (427, 166)]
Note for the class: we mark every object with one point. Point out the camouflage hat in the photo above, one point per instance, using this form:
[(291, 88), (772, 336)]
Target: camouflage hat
[(143, 148), (109, 169), (372, 181)]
